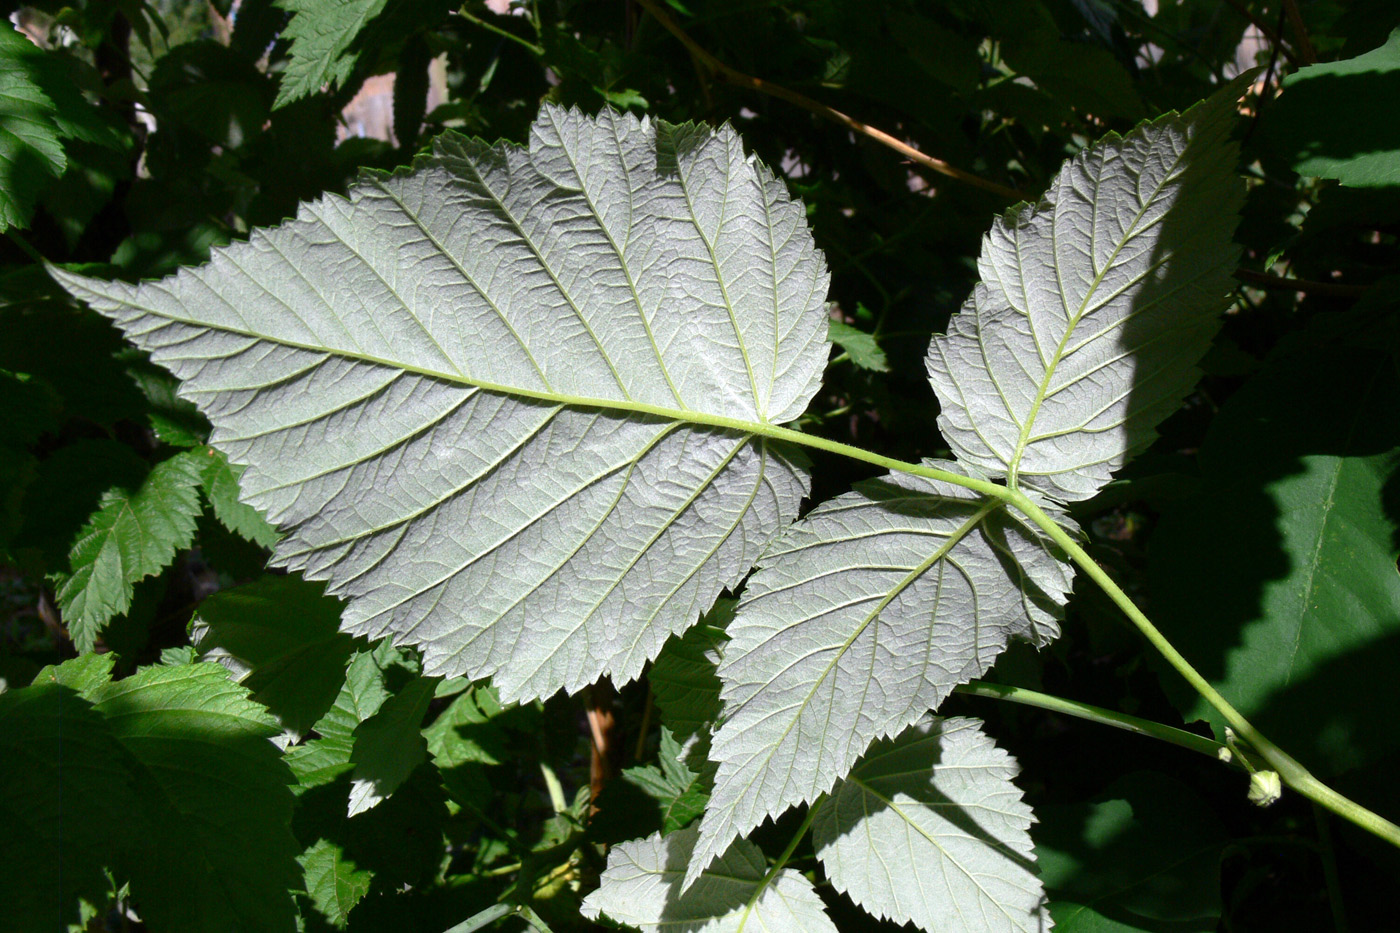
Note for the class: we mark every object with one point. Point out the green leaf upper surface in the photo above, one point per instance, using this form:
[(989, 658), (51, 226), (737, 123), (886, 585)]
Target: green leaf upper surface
[(860, 619), (321, 33), (1094, 306), (29, 146), (389, 745), (1144, 857), (1333, 120), (679, 792), (642, 887), (1291, 551), (864, 349), (334, 883), (280, 638), (221, 488), (41, 101), (371, 678), (216, 851), (499, 402), (131, 536), (683, 678), (63, 794), (929, 829)]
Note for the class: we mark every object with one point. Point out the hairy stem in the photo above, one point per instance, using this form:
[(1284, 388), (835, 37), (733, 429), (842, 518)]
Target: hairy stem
[(1098, 714), (739, 78), (1293, 774)]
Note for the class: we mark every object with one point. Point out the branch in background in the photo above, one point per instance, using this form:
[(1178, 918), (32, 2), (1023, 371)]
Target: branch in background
[(738, 78), (1267, 31), (1281, 284), (1300, 32), (602, 764)]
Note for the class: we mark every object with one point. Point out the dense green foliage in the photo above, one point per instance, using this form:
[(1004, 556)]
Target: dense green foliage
[(189, 740)]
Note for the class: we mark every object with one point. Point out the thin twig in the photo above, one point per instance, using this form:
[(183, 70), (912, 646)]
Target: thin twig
[(1282, 284), (1300, 33), (640, 751), (503, 33), (1267, 31), (740, 79)]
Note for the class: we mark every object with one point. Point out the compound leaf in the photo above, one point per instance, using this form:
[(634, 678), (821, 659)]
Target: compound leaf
[(929, 829), (1094, 306), (500, 402), (642, 887), (861, 618), (131, 536)]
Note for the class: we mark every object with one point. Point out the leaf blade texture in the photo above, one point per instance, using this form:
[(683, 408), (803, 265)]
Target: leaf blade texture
[(929, 829), (1291, 546), (334, 883), (132, 535), (214, 851), (534, 363), (322, 33), (641, 887), (861, 618), (29, 146), (66, 795), (1094, 306), (280, 638)]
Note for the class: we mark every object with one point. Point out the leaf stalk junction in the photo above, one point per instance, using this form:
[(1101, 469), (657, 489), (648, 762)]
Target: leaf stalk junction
[(1293, 773)]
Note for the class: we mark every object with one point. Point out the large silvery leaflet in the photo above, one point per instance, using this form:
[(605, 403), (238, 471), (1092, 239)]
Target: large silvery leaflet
[(498, 401)]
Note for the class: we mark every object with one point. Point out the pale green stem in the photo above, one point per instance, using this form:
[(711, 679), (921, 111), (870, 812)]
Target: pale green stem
[(1106, 717), (532, 918), (782, 859), (556, 790), (483, 919), (503, 33), (1293, 774)]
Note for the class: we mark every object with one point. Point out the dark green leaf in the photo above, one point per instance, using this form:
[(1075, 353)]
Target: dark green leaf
[(334, 883), (217, 853), (64, 796), (1290, 550), (683, 679), (280, 638), (131, 536), (1334, 120), (322, 32), (221, 488), (29, 146), (1145, 856)]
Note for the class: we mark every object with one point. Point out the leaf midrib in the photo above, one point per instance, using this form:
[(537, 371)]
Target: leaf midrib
[(1169, 176)]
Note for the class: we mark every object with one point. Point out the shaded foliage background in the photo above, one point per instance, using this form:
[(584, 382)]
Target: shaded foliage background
[(135, 136)]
